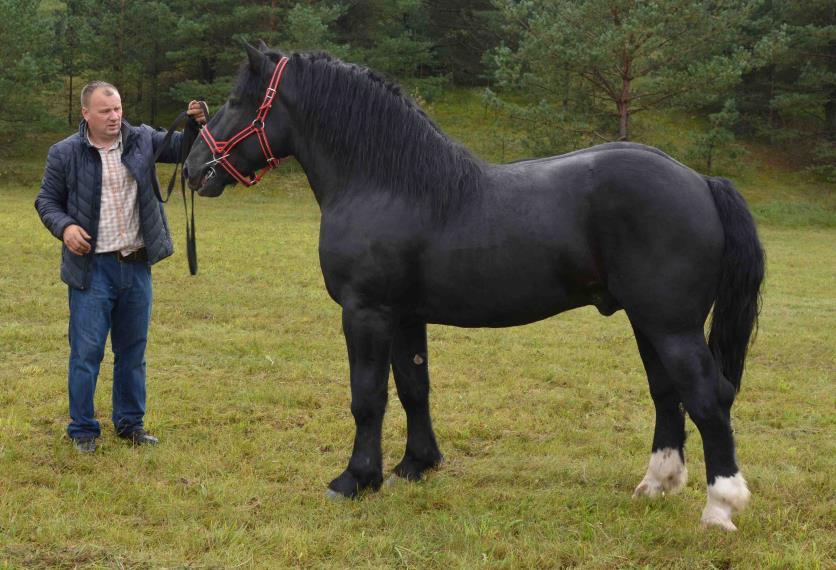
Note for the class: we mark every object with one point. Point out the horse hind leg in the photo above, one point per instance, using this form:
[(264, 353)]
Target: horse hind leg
[(412, 380), (666, 472), (707, 397)]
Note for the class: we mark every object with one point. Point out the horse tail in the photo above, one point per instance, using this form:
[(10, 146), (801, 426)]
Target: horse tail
[(738, 300)]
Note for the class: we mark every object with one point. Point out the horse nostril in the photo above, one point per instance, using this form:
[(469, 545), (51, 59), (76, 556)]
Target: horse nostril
[(185, 170)]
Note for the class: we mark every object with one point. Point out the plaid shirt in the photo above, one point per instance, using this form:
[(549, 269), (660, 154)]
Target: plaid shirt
[(119, 218)]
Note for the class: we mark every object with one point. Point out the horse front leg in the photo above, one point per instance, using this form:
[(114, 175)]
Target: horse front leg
[(368, 335), (412, 379)]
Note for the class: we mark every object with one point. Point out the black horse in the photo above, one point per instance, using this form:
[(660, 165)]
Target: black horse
[(415, 229)]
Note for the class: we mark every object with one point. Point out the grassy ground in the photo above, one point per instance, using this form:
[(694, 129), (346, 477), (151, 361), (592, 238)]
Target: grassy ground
[(546, 428)]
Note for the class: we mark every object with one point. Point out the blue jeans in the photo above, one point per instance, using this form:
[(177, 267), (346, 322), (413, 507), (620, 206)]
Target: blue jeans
[(118, 301)]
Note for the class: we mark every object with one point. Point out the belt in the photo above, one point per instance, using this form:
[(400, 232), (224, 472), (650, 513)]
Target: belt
[(135, 256)]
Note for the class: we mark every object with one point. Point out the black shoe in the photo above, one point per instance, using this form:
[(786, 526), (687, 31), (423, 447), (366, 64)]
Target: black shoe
[(140, 437), (84, 444)]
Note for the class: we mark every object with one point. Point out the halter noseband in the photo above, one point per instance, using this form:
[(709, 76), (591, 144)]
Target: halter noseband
[(221, 149)]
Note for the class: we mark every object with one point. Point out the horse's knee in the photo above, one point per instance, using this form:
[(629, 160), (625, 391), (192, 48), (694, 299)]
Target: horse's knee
[(368, 407)]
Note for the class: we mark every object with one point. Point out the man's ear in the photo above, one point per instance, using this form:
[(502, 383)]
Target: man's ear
[(255, 56)]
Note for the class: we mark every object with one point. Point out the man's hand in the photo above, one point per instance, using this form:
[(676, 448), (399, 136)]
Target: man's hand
[(195, 111), (76, 239)]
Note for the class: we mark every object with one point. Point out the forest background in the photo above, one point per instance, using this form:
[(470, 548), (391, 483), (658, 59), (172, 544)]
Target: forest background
[(563, 74)]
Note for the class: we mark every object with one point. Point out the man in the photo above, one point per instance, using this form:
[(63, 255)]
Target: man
[(100, 196)]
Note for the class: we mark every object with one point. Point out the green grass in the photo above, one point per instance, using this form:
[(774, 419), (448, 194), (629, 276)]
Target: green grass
[(546, 428)]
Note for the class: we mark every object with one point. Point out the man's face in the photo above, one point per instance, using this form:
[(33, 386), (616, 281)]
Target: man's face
[(104, 114)]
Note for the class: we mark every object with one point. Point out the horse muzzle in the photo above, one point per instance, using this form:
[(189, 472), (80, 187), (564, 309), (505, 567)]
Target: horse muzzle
[(207, 182)]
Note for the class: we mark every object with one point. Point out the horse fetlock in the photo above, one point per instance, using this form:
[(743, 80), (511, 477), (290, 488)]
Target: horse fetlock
[(726, 496), (413, 467), (350, 484)]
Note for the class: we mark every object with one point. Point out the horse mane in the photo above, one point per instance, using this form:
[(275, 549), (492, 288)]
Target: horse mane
[(373, 130)]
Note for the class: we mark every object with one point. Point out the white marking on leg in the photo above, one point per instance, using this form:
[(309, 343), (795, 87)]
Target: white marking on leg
[(666, 473), (726, 496)]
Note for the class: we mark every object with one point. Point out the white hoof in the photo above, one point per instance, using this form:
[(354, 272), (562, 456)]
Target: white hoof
[(728, 495), (666, 473), (332, 495)]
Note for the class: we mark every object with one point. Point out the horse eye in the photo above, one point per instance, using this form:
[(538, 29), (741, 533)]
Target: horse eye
[(234, 101)]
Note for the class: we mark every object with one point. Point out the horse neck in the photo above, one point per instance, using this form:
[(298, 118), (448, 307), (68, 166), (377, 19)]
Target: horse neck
[(323, 174), (419, 161)]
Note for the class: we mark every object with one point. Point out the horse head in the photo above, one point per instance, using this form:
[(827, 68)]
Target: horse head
[(249, 134)]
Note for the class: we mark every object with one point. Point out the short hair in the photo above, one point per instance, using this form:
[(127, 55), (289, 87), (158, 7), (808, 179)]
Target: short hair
[(87, 91)]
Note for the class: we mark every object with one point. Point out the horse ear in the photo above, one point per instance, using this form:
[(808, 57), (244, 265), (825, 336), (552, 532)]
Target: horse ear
[(262, 47), (255, 56)]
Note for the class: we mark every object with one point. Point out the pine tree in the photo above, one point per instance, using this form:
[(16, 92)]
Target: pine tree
[(789, 98), (589, 66), (27, 70)]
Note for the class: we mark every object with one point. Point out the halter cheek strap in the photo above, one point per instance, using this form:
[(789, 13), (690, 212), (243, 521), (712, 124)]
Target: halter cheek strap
[(221, 149)]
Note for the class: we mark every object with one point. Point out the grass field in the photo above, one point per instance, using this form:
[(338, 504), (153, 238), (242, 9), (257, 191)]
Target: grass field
[(546, 428)]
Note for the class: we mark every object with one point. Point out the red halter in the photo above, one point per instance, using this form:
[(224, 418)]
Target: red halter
[(221, 149)]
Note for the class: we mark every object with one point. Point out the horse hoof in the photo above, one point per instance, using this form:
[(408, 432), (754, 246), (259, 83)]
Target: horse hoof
[(393, 480), (345, 486), (332, 495), (666, 474), (646, 489), (412, 469), (724, 523)]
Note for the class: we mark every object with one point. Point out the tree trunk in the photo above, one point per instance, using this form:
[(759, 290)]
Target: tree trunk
[(207, 71), (139, 93), (623, 102), (71, 43), (120, 43), (155, 73), (709, 158), (771, 117), (830, 117), (70, 102), (623, 120)]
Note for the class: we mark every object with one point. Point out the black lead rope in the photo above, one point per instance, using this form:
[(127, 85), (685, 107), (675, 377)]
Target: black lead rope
[(191, 131)]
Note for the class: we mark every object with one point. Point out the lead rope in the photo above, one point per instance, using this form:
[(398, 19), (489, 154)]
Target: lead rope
[(191, 131)]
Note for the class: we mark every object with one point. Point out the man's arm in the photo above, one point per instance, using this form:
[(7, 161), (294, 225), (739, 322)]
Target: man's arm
[(172, 151), (51, 202)]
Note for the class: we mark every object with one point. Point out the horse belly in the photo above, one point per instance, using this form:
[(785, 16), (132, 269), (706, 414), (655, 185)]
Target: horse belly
[(491, 289)]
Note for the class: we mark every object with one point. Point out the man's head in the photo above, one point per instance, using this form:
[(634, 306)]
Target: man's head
[(101, 107)]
